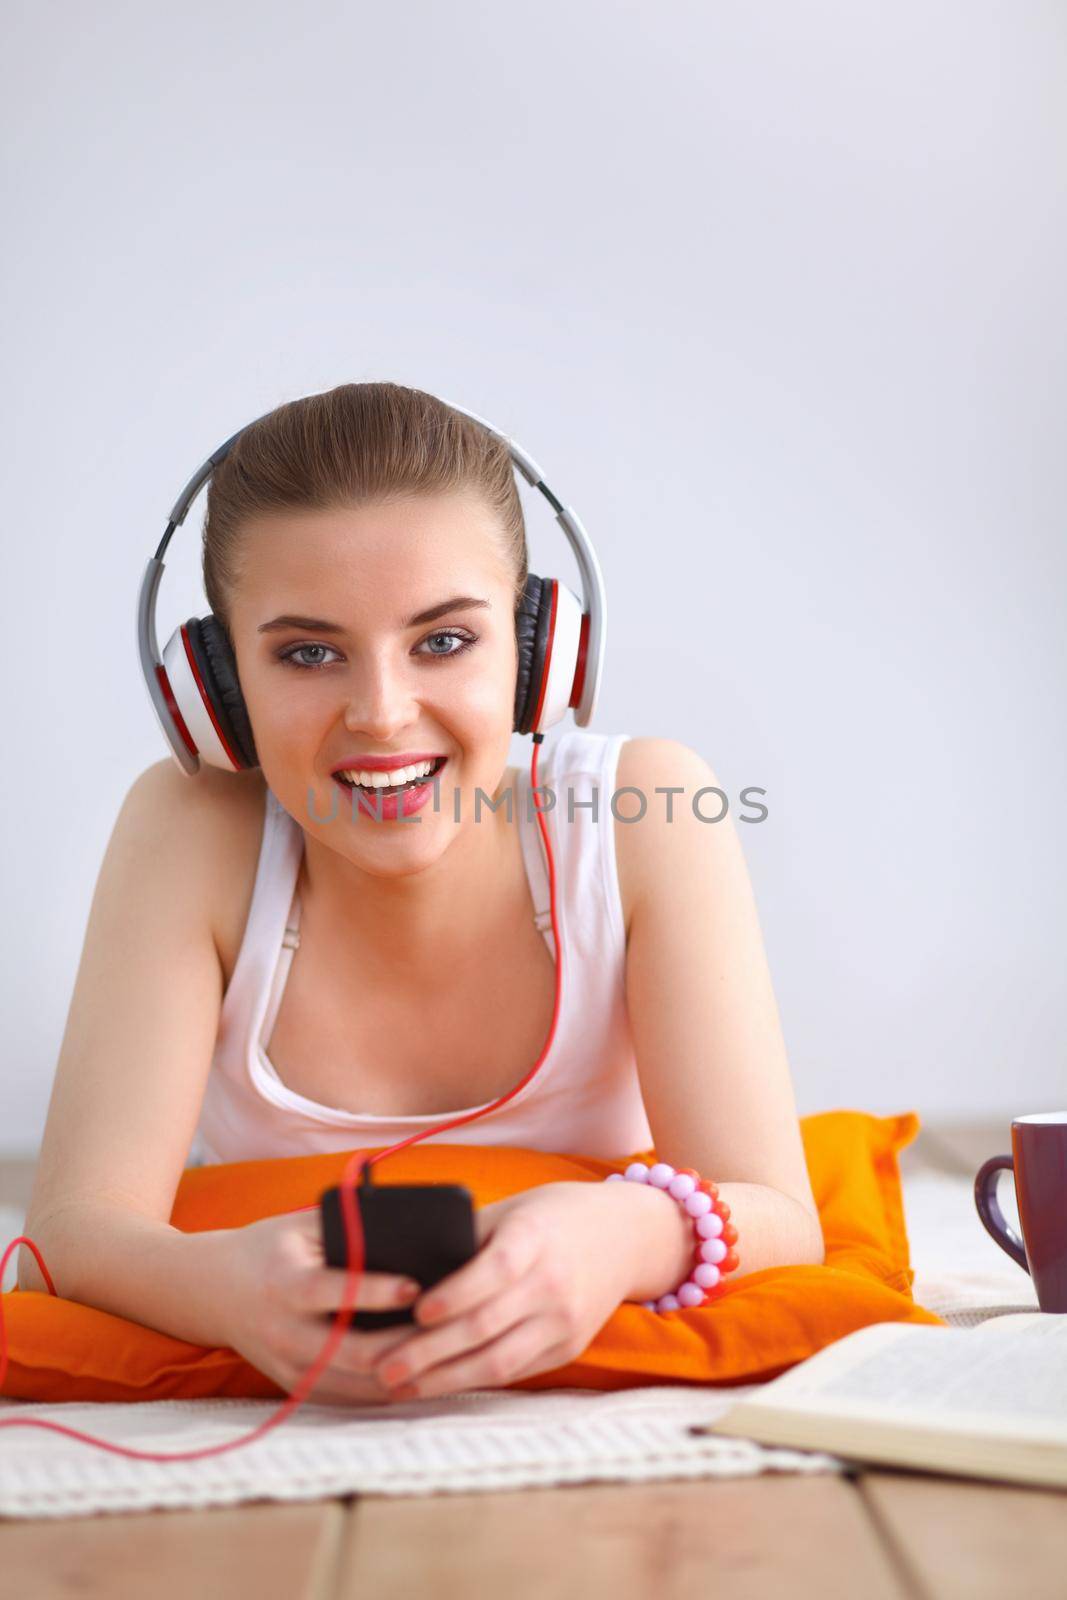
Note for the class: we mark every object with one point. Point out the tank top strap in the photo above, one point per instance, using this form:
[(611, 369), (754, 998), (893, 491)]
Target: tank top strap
[(580, 772), (274, 911)]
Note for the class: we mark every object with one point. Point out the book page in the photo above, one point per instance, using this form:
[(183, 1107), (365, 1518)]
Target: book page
[(1000, 1373), (1011, 1374)]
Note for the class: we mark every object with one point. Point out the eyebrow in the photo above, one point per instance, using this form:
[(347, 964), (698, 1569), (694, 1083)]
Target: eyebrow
[(459, 602)]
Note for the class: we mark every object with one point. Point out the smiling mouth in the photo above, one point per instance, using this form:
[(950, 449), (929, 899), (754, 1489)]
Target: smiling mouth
[(396, 788)]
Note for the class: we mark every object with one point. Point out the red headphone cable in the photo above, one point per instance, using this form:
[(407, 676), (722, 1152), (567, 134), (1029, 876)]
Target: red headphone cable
[(353, 1232)]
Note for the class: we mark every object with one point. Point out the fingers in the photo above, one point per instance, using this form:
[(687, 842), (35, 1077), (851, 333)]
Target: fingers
[(296, 1276), (505, 1259), (469, 1326), (350, 1374), (528, 1346), (466, 1333), (335, 1387), (323, 1289), (318, 1287)]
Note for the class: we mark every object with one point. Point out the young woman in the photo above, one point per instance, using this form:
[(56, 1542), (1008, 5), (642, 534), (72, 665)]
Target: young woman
[(275, 965)]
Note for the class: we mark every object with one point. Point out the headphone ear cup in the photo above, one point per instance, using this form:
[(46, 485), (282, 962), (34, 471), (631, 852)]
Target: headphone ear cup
[(531, 633), (218, 670)]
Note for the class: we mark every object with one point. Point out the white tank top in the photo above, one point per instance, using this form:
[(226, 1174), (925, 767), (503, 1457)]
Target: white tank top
[(586, 1097)]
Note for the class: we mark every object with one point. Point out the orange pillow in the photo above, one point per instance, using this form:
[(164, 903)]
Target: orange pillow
[(758, 1326)]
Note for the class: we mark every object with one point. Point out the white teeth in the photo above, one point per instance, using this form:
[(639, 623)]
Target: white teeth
[(387, 780)]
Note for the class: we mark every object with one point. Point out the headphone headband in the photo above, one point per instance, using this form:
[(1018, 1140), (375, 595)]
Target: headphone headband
[(593, 599)]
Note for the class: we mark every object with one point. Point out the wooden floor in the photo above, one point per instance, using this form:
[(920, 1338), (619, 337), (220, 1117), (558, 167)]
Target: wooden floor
[(877, 1535)]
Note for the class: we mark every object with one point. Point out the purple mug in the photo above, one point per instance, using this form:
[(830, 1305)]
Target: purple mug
[(1039, 1164)]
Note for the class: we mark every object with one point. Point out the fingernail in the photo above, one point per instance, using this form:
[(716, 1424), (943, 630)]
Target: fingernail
[(407, 1291), (431, 1309), (395, 1372)]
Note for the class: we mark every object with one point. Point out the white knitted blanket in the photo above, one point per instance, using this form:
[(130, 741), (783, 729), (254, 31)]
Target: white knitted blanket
[(481, 1440)]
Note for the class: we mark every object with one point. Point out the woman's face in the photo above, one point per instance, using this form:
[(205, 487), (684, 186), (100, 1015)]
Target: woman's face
[(375, 682)]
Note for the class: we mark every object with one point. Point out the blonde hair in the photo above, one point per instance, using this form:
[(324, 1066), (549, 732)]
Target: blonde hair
[(354, 445)]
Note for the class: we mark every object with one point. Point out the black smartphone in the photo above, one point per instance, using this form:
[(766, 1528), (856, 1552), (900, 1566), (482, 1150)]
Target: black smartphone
[(423, 1231)]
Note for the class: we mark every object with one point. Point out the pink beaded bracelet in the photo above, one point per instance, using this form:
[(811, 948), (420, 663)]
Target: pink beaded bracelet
[(716, 1234)]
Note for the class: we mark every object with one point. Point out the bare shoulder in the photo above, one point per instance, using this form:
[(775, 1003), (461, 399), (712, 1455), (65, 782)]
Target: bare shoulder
[(210, 825), (662, 759), (647, 764)]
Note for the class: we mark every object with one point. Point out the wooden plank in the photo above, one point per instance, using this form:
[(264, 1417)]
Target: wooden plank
[(964, 1540), (272, 1551), (750, 1538)]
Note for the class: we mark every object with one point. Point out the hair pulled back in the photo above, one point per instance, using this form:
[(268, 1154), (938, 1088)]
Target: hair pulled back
[(357, 444)]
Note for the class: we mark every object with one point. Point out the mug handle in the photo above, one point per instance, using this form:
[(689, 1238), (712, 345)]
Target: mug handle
[(985, 1198)]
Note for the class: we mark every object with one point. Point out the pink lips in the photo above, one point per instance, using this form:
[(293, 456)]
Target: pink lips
[(405, 758), (386, 807)]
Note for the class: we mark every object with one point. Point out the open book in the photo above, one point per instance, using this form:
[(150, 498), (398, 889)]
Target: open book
[(985, 1402)]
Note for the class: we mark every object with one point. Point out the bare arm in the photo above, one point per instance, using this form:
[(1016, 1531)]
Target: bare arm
[(105, 1255), (711, 1057), (130, 1081), (773, 1231), (132, 1068)]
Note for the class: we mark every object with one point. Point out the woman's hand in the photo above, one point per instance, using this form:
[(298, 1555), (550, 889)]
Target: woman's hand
[(554, 1265), (279, 1295)]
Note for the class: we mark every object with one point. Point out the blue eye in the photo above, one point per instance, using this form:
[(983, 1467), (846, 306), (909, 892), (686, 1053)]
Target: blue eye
[(463, 642), (289, 656)]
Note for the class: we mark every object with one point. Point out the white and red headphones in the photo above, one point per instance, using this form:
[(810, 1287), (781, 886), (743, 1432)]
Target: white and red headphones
[(196, 694)]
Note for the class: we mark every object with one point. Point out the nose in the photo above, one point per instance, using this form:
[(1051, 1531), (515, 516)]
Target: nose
[(380, 701)]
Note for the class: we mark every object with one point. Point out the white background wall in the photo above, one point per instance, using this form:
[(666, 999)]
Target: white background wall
[(774, 293)]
